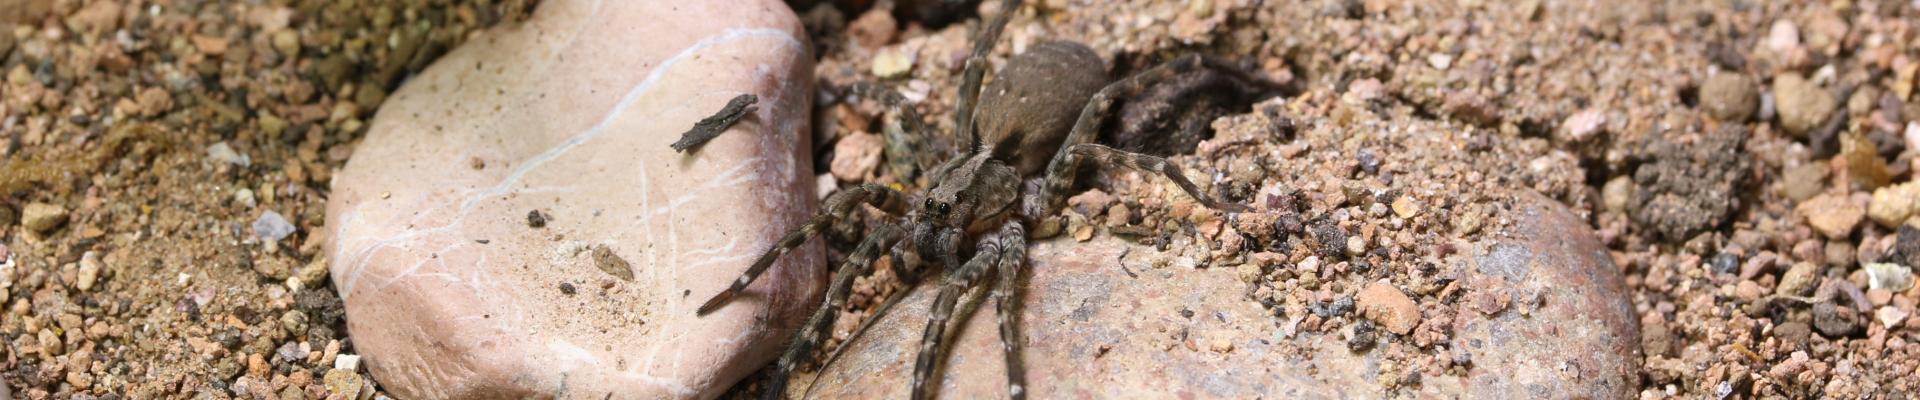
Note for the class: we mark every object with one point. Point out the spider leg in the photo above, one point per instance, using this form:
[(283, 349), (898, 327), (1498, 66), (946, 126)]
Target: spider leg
[(1013, 259), (906, 134), (1103, 155), (1060, 171), (857, 264), (977, 70), (957, 282), (907, 268), (909, 117), (885, 305), (837, 206)]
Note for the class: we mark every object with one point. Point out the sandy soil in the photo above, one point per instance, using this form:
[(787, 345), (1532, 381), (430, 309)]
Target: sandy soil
[(166, 163)]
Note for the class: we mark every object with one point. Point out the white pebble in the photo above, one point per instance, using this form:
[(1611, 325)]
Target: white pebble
[(350, 362), (224, 153), (272, 227)]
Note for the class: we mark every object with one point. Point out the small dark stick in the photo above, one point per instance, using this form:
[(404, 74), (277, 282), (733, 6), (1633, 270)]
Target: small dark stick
[(711, 127)]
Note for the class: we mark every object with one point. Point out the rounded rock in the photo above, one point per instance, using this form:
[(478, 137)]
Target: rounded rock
[(451, 294), (1090, 331)]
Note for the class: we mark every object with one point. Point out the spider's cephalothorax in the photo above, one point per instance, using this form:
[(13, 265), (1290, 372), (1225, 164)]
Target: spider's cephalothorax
[(1036, 120)]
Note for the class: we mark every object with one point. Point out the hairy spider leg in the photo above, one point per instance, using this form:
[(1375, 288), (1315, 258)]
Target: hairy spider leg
[(957, 282), (1060, 171), (1006, 299), (1103, 155), (837, 207), (907, 268), (975, 72), (857, 265), (912, 133)]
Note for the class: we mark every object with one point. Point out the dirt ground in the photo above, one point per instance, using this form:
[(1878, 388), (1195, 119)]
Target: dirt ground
[(166, 162)]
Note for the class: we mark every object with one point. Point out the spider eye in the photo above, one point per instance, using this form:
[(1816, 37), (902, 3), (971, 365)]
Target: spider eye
[(945, 208), (929, 204)]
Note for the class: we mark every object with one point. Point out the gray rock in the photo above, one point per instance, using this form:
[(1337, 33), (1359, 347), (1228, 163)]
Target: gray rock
[(272, 227), (1835, 320)]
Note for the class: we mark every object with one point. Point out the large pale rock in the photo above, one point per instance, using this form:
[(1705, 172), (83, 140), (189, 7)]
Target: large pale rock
[(451, 292), (1091, 331)]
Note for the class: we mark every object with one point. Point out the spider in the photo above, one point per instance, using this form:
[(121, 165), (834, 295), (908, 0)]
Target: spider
[(973, 220)]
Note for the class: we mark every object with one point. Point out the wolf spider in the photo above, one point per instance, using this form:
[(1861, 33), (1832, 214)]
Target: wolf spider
[(1026, 126)]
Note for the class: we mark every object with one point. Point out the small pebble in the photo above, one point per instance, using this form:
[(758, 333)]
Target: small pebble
[(1730, 97), (42, 217), (273, 126), (1879, 297), (90, 267), (290, 352), (1617, 195), (1839, 253), (294, 321), (350, 362), (1369, 162), (856, 155), (1361, 336), (314, 272), (873, 28), (1890, 316), (1795, 333), (1802, 105), (1783, 36), (1221, 345), (1440, 60), (1748, 291), (611, 263), (245, 198), (1832, 215), (1888, 276), (1893, 205), (223, 153), (1583, 125), (272, 227), (343, 383), (1405, 207), (1724, 263), (1799, 280), (892, 62), (1913, 128), (1805, 181), (536, 219), (1834, 320), (1389, 307)]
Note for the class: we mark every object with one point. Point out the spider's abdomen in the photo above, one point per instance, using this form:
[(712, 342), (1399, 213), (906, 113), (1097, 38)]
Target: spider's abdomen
[(1034, 100)]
